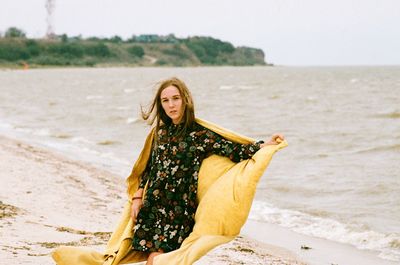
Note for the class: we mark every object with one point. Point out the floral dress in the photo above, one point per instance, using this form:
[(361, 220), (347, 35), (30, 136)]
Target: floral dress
[(167, 215)]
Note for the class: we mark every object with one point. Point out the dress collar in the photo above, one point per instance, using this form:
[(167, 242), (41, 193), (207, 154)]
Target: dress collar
[(174, 128)]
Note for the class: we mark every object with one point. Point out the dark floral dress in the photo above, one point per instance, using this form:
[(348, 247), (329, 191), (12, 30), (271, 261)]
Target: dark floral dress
[(167, 215)]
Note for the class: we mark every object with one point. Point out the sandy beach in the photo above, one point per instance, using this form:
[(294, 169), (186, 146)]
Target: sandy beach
[(48, 200)]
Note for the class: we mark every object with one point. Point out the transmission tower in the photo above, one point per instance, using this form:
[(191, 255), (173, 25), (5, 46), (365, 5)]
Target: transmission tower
[(50, 6)]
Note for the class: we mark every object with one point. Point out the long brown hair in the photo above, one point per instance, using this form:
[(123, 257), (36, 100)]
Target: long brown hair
[(155, 114)]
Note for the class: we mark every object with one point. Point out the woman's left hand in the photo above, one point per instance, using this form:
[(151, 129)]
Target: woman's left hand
[(275, 139)]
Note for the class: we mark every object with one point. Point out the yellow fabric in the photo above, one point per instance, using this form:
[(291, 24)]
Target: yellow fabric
[(225, 193)]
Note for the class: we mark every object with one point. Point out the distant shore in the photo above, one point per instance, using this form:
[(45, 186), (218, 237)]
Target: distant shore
[(5, 67), (48, 200), (143, 50)]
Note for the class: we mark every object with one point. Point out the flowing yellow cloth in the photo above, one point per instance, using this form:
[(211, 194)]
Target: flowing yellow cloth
[(225, 193)]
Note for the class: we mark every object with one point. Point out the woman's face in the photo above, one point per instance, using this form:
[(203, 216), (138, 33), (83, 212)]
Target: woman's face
[(171, 102)]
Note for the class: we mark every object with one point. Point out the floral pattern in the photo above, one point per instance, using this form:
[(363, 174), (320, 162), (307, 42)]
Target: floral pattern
[(167, 215)]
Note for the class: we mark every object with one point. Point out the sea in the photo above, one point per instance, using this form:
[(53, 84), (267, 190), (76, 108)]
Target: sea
[(339, 178)]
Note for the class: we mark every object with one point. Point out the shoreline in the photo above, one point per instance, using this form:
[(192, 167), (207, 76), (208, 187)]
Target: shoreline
[(119, 66), (311, 250), (316, 188), (48, 200)]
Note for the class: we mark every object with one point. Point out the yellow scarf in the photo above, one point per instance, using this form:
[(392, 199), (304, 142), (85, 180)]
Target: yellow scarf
[(225, 193)]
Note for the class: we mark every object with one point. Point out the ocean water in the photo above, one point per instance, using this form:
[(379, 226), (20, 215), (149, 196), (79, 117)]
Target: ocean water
[(339, 178)]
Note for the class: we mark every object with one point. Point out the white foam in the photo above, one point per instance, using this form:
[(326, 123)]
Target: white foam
[(226, 87), (123, 108), (42, 132), (390, 255), (90, 97), (354, 234), (80, 139), (312, 98), (78, 149), (243, 87), (132, 120), (129, 90), (5, 125), (37, 132)]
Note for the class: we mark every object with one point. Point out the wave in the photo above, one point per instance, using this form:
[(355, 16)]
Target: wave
[(225, 87), (388, 245), (239, 87), (83, 140), (37, 132), (108, 142), (5, 126), (129, 90), (90, 97), (389, 115), (123, 108), (61, 135), (46, 132), (244, 87), (133, 120), (274, 97), (84, 149), (311, 99), (75, 147), (393, 147)]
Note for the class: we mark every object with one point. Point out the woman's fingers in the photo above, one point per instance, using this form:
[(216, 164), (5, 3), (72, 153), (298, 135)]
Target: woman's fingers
[(278, 136), (135, 210), (275, 139), (133, 214)]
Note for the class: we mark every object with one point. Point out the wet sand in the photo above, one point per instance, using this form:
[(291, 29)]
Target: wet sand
[(48, 200)]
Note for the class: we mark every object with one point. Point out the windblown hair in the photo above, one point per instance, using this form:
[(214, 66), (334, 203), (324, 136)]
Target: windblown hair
[(156, 116)]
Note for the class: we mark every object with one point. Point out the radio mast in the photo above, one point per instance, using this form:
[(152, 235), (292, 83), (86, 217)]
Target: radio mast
[(50, 6)]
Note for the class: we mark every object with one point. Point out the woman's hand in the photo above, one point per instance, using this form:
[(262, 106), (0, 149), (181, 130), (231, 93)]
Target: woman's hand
[(135, 208), (275, 139), (137, 203)]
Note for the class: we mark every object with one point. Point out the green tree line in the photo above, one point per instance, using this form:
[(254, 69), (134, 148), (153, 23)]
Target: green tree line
[(142, 50)]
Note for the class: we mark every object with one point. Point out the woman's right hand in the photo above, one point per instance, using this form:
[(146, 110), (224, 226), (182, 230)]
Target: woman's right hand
[(137, 203), (135, 208), (275, 139)]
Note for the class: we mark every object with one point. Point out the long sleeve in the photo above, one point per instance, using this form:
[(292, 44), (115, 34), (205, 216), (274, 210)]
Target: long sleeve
[(214, 143), (145, 176)]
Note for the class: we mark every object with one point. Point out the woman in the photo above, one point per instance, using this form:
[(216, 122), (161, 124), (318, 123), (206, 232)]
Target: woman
[(165, 216)]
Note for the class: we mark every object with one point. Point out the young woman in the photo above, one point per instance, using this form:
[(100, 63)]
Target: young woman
[(164, 216)]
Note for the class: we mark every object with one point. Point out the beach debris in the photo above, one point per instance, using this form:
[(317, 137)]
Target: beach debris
[(89, 239), (7, 210), (305, 247), (243, 249)]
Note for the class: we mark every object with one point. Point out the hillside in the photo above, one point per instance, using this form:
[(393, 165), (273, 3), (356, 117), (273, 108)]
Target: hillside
[(143, 50)]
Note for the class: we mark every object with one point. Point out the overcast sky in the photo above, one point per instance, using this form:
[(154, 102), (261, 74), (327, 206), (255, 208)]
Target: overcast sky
[(290, 32)]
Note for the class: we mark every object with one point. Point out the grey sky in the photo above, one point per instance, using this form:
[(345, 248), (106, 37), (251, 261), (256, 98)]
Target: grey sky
[(302, 32)]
